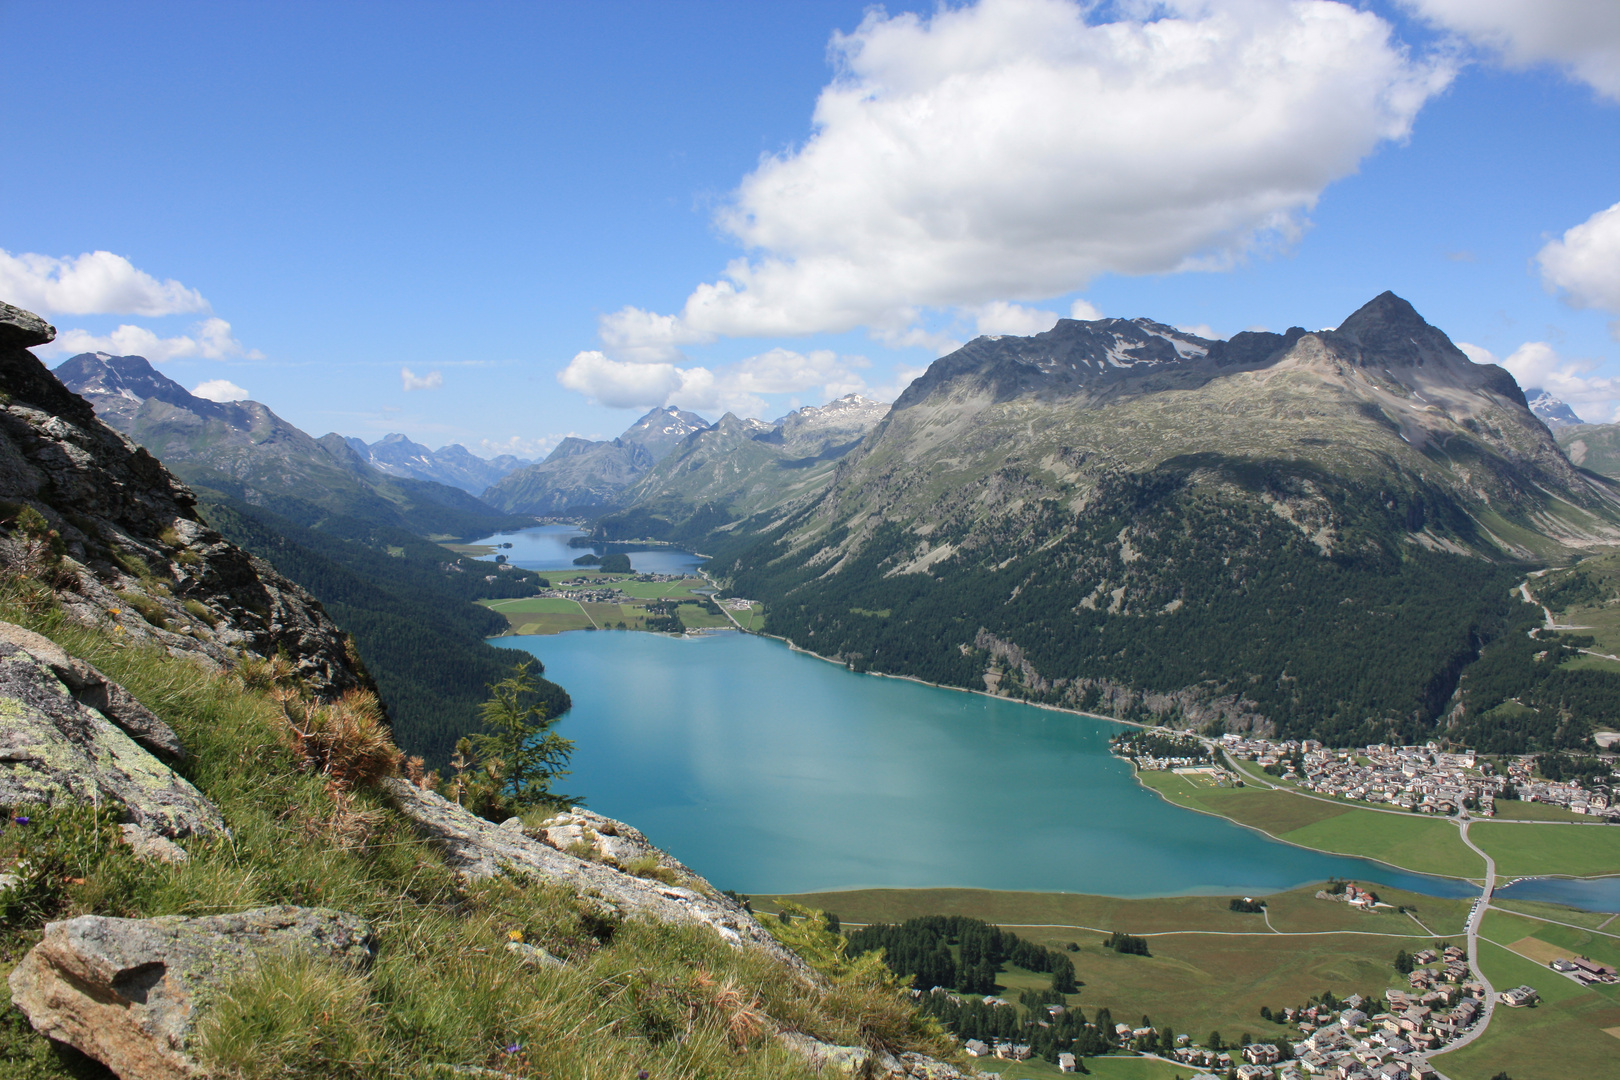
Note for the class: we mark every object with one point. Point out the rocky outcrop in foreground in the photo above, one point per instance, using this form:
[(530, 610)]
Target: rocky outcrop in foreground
[(68, 733), (480, 849), (119, 540), (128, 992)]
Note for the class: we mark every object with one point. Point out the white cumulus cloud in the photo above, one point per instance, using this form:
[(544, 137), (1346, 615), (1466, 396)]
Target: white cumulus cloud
[(220, 390), (1012, 150), (210, 339), (1580, 36), (94, 283), (412, 381), (533, 449), (1585, 263), (1537, 365), (737, 387), (1001, 317)]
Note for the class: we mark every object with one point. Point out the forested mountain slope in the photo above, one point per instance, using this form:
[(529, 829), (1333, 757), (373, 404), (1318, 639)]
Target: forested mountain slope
[(1301, 533)]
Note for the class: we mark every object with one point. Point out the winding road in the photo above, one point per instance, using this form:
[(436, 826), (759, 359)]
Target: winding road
[(1476, 915)]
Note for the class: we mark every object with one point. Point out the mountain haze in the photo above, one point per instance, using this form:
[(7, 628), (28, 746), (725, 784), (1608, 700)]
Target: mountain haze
[(454, 465)]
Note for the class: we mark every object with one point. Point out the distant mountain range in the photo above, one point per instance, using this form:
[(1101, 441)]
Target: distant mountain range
[(671, 462), (243, 450), (1299, 533), (455, 465)]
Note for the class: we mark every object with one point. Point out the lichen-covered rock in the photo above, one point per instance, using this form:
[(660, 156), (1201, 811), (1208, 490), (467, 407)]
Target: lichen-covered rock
[(129, 992), (857, 1061), (129, 552), (482, 849), (581, 832), (56, 748), (90, 687)]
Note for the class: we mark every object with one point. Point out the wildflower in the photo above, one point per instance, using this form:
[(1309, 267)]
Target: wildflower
[(513, 1048), (21, 819), (114, 611), (514, 935), (642, 1075)]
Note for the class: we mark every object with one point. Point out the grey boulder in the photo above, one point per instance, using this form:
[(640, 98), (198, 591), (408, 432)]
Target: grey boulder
[(129, 992), (482, 849), (55, 748)]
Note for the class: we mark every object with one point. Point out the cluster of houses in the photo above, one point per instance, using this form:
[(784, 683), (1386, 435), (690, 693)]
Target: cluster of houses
[(1424, 779), (1452, 969), (1343, 1042), (1005, 1050), (1569, 794), (1585, 971), (589, 596)]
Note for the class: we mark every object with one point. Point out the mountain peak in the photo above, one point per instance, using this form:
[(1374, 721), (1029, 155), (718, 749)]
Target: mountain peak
[(130, 377), (1553, 412), (1390, 327)]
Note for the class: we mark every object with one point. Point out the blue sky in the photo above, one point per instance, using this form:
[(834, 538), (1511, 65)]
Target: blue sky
[(498, 224)]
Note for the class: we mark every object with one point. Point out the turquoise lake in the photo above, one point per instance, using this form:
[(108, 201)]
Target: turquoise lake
[(770, 771)]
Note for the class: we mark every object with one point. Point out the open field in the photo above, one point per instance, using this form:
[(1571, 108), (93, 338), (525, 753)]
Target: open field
[(1195, 982), (699, 617), (1562, 1036), (1528, 850), (549, 624), (1425, 844), (1294, 911), (554, 615), (532, 605), (1515, 810), (1430, 845), (476, 551), (1589, 919)]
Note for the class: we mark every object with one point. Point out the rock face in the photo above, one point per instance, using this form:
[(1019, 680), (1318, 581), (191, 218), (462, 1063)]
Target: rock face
[(130, 551), (67, 733), (127, 991), (481, 849)]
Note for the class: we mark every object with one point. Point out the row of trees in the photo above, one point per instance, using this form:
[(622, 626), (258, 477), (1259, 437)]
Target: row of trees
[(922, 948)]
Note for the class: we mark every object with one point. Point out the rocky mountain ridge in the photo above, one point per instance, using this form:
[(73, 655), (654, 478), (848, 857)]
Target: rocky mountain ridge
[(1099, 500), (649, 470), (119, 539), (243, 450)]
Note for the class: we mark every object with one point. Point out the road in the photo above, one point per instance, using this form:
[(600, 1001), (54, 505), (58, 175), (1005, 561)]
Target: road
[(1476, 915)]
